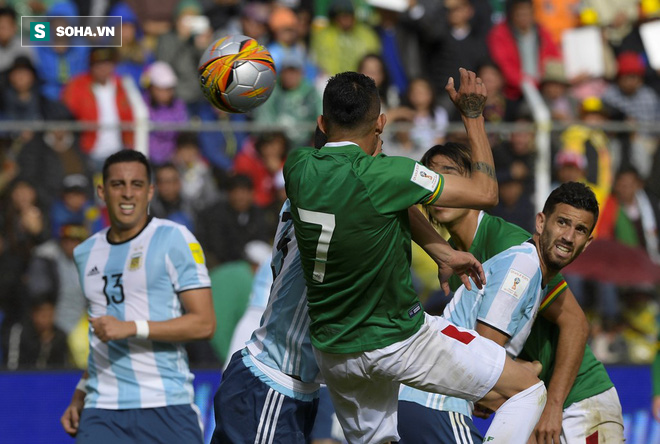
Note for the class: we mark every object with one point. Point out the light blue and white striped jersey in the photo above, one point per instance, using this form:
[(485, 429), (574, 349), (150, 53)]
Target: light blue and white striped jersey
[(282, 341), (133, 280), (263, 280), (508, 302)]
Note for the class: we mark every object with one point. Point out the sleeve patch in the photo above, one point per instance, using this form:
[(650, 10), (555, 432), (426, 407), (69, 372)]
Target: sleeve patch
[(197, 252), (425, 178), (515, 283)]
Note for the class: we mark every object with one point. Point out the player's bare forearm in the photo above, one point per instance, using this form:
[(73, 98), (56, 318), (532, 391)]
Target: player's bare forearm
[(427, 237), (573, 335)]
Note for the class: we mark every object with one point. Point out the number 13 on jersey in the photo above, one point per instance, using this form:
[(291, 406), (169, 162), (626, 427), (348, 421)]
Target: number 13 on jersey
[(327, 223)]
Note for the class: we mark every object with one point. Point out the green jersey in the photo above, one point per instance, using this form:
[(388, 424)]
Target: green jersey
[(495, 235), (350, 213)]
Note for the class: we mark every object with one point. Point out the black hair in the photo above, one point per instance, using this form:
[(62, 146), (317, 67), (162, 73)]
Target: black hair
[(434, 97), (126, 156), (8, 11), (350, 101), (185, 138), (320, 139), (385, 85), (457, 152), (166, 166), (575, 194), (270, 137), (628, 169), (510, 4), (239, 181)]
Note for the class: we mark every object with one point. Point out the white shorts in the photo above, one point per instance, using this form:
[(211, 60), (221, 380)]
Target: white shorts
[(439, 358), (594, 420)]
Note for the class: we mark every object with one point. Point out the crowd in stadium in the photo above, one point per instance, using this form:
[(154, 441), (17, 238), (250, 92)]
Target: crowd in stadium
[(227, 186)]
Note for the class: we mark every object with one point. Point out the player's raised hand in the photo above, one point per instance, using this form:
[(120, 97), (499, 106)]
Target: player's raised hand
[(470, 99), (463, 265), (71, 418), (109, 328)]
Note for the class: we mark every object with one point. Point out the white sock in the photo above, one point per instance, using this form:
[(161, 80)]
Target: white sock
[(515, 420)]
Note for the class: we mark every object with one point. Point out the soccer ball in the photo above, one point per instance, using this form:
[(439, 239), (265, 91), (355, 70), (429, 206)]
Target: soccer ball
[(236, 74)]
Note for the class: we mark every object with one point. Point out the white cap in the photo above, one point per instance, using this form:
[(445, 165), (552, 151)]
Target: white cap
[(392, 5), (161, 75)]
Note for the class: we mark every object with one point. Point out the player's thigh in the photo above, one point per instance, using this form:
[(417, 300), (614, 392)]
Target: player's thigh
[(249, 411), (443, 358), (326, 425), (365, 404), (102, 426), (422, 425), (595, 420)]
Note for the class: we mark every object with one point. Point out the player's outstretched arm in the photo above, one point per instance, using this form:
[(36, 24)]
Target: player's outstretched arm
[(70, 420), (480, 190), (449, 261), (197, 323), (573, 334)]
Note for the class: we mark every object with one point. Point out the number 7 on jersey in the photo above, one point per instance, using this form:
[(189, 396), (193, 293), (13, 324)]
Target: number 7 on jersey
[(327, 223)]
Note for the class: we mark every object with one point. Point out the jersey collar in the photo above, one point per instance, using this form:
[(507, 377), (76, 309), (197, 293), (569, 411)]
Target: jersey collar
[(342, 146)]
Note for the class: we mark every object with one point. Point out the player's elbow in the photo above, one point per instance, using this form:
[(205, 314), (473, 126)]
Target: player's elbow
[(205, 328)]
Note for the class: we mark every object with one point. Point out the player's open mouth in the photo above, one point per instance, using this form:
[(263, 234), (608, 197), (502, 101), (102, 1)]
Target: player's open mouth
[(563, 250), (127, 208)]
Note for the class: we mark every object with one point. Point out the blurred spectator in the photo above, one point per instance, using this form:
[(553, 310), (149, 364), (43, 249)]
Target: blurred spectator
[(164, 107), (168, 201), (429, 120), (252, 22), (58, 65), (572, 167), (554, 89), (284, 25), (520, 47), (8, 166), (52, 275), (294, 104), (616, 17), (496, 109), (98, 96), (515, 205), (641, 329), (557, 16), (227, 226), (231, 285), (262, 164), (373, 65), (50, 156), (629, 95), (36, 342), (631, 215), (223, 14), (182, 48), (10, 41), (197, 183), (457, 45), (134, 56), (21, 99), (75, 206), (155, 15), (398, 141), (340, 46)]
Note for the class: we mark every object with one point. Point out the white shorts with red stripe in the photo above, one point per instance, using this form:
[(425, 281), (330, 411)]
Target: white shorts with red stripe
[(440, 358), (595, 420)]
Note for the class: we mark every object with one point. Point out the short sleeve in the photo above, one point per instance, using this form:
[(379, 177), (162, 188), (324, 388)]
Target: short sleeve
[(556, 287), (509, 292), (186, 264), (397, 183)]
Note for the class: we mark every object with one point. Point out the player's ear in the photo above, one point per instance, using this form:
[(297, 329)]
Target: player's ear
[(540, 222), (151, 191), (99, 192), (321, 124), (380, 123)]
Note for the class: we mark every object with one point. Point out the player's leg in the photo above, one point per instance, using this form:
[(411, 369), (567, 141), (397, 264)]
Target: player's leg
[(365, 403), (168, 425), (247, 410), (102, 426), (327, 429), (422, 425), (594, 420)]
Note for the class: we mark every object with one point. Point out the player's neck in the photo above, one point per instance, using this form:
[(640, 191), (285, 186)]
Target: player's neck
[(547, 273), (118, 234), (463, 229)]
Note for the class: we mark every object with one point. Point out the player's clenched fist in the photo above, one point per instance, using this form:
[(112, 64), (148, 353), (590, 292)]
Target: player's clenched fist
[(109, 328)]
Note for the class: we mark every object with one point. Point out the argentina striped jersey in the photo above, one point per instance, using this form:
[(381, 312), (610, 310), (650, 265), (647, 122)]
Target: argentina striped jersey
[(134, 280)]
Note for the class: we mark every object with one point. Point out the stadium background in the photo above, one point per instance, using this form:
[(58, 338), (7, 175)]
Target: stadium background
[(220, 173)]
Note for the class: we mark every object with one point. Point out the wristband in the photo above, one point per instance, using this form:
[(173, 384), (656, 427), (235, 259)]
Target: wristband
[(142, 329), (82, 385)]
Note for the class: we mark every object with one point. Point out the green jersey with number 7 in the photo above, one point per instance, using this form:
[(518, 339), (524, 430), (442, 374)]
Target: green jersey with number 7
[(351, 221)]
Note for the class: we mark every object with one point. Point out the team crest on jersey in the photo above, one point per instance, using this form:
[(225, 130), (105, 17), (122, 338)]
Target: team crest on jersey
[(136, 262), (515, 283), (197, 252), (425, 178)]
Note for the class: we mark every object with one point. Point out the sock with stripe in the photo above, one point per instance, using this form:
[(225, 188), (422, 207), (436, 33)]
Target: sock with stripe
[(515, 420)]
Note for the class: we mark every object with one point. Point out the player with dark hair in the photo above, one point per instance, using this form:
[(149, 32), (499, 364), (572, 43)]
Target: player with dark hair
[(350, 211), (138, 277), (577, 383)]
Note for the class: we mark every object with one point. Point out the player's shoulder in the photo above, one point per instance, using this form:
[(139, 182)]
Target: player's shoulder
[(86, 246), (521, 255), (169, 229), (297, 155)]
